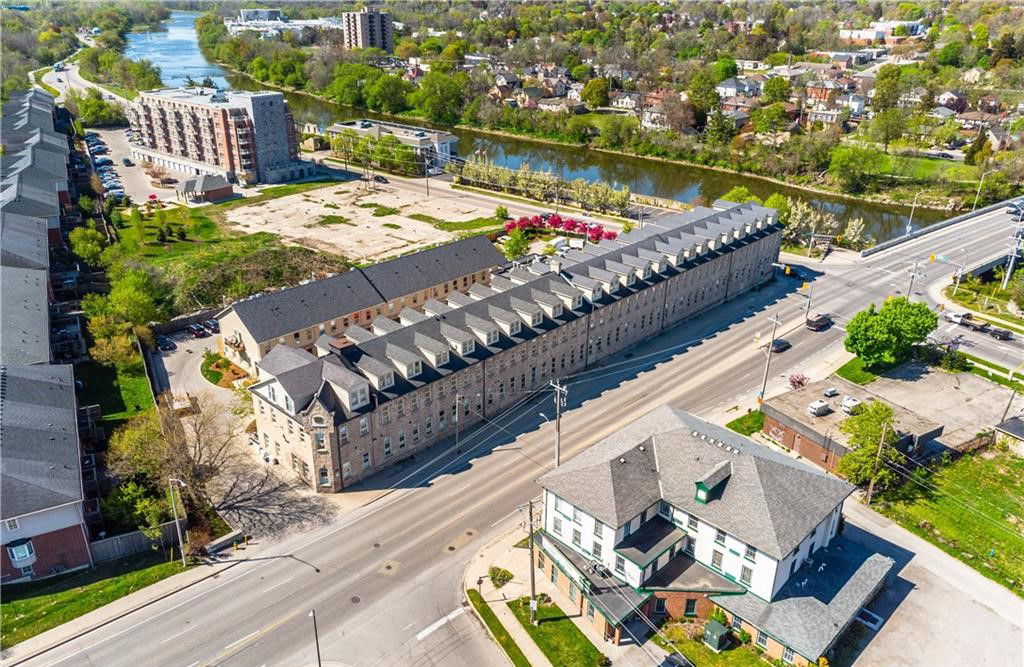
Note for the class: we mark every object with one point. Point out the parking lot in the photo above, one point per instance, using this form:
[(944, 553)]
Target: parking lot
[(136, 183)]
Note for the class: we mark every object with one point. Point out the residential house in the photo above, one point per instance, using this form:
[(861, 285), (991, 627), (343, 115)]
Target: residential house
[(989, 104), (414, 74), (386, 389), (527, 98), (847, 84), (501, 93), (973, 75), (952, 99), (752, 65), (653, 117), (942, 113), (508, 79), (842, 60), (672, 516), (912, 98), (735, 86), (554, 86), (999, 139), (822, 90), (560, 105), (624, 100), (853, 102), (789, 73), (739, 118), (825, 115), (973, 120), (746, 104), (575, 92)]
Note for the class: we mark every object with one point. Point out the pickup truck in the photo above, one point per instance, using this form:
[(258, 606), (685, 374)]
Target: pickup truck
[(974, 325)]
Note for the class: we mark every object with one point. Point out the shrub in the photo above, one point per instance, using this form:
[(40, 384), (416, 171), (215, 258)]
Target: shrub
[(743, 636), (954, 361), (501, 213), (719, 615), (499, 576)]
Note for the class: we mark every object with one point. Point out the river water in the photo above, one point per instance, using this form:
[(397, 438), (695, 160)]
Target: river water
[(175, 50)]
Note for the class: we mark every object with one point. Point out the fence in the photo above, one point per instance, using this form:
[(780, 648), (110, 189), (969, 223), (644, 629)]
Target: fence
[(120, 546), (892, 243), (181, 323)]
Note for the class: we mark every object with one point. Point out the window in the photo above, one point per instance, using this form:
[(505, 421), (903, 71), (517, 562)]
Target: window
[(577, 517), (295, 462), (691, 523), (716, 559), (318, 439), (401, 439), (576, 536), (787, 655), (598, 528), (428, 427), (305, 471), (750, 553), (366, 460), (745, 574), (387, 446), (343, 434), (416, 433), (620, 564), (556, 524), (21, 551), (325, 478), (762, 639), (492, 337), (11, 524), (659, 605), (719, 536), (554, 575), (737, 622), (364, 426), (573, 591), (590, 610), (643, 516), (665, 510), (597, 550), (691, 608), (27, 571)]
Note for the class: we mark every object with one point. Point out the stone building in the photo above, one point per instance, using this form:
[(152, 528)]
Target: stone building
[(385, 389)]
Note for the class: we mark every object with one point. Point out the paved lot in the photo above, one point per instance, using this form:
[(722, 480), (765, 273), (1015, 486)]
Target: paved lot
[(136, 183), (182, 366)]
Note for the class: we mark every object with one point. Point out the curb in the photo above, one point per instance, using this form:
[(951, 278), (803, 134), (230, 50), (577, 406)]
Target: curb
[(118, 617)]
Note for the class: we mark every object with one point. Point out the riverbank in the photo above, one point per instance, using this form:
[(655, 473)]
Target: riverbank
[(877, 199)]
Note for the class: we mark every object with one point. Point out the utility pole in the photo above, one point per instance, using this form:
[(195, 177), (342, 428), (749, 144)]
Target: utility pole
[(810, 240), (878, 458), (457, 407), (910, 221), (533, 565), (560, 393), (174, 507), (910, 287), (767, 361), (807, 313), (960, 273), (316, 637)]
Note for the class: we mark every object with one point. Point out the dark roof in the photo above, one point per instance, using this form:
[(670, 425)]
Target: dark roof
[(818, 600), (769, 500), (648, 542), (283, 357), (1014, 427), (419, 270), (683, 573), (38, 439)]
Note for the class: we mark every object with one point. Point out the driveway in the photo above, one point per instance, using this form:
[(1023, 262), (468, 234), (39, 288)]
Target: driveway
[(181, 367)]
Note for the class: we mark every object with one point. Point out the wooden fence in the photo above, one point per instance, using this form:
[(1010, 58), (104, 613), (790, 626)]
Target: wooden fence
[(120, 546)]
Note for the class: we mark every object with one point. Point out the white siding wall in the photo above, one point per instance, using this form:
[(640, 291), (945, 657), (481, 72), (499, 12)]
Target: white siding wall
[(818, 538), (43, 522)]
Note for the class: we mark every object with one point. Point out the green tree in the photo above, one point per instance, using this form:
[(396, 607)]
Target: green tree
[(888, 125), (516, 245), (581, 72), (887, 334), (131, 506), (723, 69), (702, 92), (950, 55), (439, 97), (776, 89), (720, 129), (781, 204), (887, 87), (871, 427), (1004, 48), (854, 166), (389, 94), (407, 48), (770, 119), (118, 351), (595, 93), (741, 195), (88, 243), (501, 213), (138, 225)]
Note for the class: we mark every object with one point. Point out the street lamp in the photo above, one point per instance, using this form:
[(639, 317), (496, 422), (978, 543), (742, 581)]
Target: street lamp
[(171, 481), (978, 193), (960, 273), (767, 361), (913, 206), (316, 636)]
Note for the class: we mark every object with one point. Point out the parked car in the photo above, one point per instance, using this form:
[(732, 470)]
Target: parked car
[(780, 345), (165, 344), (212, 326), (850, 404), (197, 331), (1000, 334), (104, 160), (676, 660), (380, 179), (818, 408), (126, 162), (819, 322), (89, 135)]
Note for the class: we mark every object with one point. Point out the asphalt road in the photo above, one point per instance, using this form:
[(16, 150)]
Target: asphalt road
[(386, 579)]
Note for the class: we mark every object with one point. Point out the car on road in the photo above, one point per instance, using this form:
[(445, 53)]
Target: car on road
[(165, 344), (954, 317), (212, 326), (780, 345), (819, 322), (379, 179), (1000, 334), (197, 331), (126, 162), (944, 156)]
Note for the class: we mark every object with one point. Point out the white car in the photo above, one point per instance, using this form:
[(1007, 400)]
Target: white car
[(956, 318)]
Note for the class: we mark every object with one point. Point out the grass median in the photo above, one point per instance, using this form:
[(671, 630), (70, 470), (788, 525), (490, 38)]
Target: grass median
[(748, 424), (497, 630), (32, 608)]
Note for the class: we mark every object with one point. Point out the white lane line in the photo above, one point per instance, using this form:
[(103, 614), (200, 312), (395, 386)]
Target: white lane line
[(176, 634), (504, 517), (436, 625), (282, 583), (239, 641), (411, 624)]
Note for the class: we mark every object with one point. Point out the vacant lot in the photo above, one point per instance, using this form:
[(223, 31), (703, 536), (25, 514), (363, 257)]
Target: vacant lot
[(361, 224)]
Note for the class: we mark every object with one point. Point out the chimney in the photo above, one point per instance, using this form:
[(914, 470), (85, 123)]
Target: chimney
[(555, 264)]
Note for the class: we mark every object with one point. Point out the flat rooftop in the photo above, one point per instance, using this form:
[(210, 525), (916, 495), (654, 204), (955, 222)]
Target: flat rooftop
[(794, 404), (382, 127), (208, 96)]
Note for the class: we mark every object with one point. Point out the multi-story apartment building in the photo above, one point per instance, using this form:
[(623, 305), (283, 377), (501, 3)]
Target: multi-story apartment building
[(368, 28), (240, 135), (299, 316), (378, 394), (674, 516)]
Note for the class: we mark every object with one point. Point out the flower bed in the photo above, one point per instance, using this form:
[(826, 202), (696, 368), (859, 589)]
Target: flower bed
[(591, 231)]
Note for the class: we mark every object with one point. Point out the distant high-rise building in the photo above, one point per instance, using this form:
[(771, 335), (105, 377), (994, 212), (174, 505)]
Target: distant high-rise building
[(237, 134), (368, 28)]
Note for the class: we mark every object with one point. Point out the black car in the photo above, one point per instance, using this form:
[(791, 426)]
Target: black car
[(380, 179), (165, 344), (212, 326), (780, 345), (1000, 334), (126, 162), (197, 331), (819, 322)]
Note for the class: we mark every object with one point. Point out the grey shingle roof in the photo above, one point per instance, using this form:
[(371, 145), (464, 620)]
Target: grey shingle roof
[(24, 316), (23, 242), (818, 600), (769, 501), (38, 439), (284, 357), (651, 540), (416, 271)]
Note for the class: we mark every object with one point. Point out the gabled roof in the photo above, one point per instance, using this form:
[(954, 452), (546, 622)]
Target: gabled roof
[(769, 500), (284, 357), (426, 268), (38, 439)]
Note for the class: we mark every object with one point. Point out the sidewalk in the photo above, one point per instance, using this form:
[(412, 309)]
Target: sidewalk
[(108, 613)]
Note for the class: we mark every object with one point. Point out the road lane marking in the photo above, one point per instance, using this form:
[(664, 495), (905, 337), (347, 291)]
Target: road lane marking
[(176, 634), (411, 624), (436, 625), (239, 641), (504, 517), (282, 583)]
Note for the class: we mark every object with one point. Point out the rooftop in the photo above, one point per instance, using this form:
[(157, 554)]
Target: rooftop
[(381, 127), (211, 97), (651, 540)]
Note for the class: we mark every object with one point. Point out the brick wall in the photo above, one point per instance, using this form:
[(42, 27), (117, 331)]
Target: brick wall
[(801, 444), (675, 603), (66, 547), (772, 649)]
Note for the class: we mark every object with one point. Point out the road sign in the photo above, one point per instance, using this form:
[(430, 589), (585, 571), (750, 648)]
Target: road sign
[(533, 604)]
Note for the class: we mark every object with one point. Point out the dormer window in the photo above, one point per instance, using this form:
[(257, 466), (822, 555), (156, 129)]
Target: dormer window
[(556, 311), (415, 369), (596, 294), (359, 397), (387, 380), (492, 337), (630, 279), (272, 393), (647, 272), (442, 358), (577, 302), (514, 328), (536, 319), (318, 421), (467, 347)]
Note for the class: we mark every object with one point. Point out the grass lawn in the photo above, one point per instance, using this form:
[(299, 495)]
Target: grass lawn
[(121, 395), (37, 78), (988, 300), (975, 513), (29, 609), (498, 631), (748, 424), (927, 168), (555, 634), (600, 120), (854, 371), (701, 655), (328, 220), (483, 223)]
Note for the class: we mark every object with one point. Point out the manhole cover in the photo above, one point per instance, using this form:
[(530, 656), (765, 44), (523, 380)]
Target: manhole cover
[(387, 567), (376, 545), (469, 532), (356, 599), (451, 548)]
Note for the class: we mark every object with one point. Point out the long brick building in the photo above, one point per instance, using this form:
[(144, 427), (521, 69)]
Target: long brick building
[(376, 395)]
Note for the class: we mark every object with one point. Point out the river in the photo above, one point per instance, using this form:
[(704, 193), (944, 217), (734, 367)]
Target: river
[(175, 50)]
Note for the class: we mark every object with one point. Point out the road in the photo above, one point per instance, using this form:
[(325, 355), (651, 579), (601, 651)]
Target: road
[(70, 78), (385, 579)]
